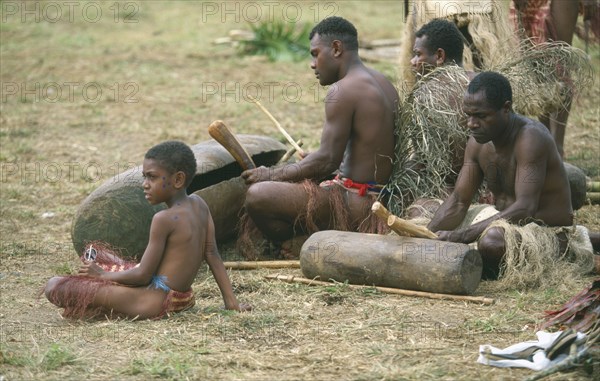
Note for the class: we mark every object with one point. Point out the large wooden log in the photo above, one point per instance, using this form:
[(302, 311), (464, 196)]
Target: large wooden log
[(117, 212), (392, 261)]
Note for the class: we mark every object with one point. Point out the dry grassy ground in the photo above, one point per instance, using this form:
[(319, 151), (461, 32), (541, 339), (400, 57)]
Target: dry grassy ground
[(88, 87)]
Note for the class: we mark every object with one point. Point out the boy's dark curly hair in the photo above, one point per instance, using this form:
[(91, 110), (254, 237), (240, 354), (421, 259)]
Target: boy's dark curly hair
[(337, 28), (174, 156), (497, 88), (443, 34)]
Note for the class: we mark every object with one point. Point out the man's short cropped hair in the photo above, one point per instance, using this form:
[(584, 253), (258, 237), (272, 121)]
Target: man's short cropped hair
[(496, 87), (174, 156), (443, 34), (337, 28)]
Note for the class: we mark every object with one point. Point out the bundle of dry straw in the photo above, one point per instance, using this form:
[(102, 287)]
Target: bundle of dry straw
[(431, 136)]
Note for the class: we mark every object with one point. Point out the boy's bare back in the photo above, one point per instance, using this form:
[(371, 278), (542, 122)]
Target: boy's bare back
[(191, 235), (181, 237)]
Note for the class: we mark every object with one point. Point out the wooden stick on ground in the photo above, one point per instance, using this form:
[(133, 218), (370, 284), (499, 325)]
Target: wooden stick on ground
[(593, 186), (253, 265), (281, 129), (594, 197), (386, 290), (400, 226)]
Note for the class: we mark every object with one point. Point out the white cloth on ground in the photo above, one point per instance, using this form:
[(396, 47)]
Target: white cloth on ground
[(528, 354)]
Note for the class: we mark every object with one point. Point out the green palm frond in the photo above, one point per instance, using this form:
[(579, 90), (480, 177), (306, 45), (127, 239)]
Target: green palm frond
[(278, 40)]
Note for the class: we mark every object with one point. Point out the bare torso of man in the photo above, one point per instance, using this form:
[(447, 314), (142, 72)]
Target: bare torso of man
[(500, 170), (368, 155)]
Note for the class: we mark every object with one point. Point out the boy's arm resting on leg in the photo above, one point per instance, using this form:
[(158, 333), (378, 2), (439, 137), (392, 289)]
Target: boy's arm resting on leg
[(141, 275), (213, 259)]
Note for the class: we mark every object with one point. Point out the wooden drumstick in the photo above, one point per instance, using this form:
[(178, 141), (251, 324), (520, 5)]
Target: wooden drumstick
[(396, 223), (399, 225), (380, 211), (281, 129), (221, 133)]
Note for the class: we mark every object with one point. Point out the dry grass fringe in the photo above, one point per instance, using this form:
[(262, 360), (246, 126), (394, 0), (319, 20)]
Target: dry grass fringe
[(430, 135), (250, 243), (533, 258), (544, 77), (340, 215), (493, 37), (75, 294)]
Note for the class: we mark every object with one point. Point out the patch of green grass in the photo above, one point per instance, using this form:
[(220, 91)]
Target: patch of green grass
[(11, 358), (16, 249), (22, 148), (505, 320), (375, 350), (56, 357), (16, 133), (525, 300), (278, 40), (62, 269), (168, 366), (260, 322), (10, 193), (370, 291)]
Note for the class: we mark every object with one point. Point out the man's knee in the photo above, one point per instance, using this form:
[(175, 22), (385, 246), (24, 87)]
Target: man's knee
[(492, 247), (257, 196), (492, 241)]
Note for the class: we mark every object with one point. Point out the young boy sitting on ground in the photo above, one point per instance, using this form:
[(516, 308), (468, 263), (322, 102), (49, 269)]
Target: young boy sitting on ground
[(181, 237)]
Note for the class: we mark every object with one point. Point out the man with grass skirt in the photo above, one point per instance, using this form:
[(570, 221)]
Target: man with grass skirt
[(517, 157), (431, 133), (357, 145), (553, 20)]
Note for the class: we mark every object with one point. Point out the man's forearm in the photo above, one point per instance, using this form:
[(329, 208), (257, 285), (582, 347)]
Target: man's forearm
[(448, 216), (311, 167), (473, 232)]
